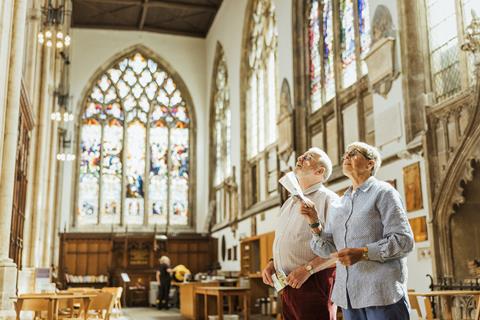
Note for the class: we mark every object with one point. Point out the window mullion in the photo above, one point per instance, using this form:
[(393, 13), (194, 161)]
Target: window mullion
[(146, 187), (124, 161), (100, 178), (169, 179)]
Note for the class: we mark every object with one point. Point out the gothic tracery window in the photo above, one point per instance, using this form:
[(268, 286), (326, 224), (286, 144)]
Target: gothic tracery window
[(134, 147), (259, 65), (261, 102), (222, 138)]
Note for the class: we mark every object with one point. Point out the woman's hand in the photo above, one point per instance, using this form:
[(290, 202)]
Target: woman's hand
[(349, 256)]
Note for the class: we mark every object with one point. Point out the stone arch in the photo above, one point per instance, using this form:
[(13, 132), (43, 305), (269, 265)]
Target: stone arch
[(450, 191)]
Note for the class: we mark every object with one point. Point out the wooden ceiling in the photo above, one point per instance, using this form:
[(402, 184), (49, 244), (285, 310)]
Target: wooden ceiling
[(179, 17)]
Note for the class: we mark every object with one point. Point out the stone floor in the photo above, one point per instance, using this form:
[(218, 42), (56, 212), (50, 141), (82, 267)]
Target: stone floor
[(154, 314), (151, 314)]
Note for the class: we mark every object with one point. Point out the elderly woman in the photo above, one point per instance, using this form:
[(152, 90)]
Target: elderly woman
[(368, 231)]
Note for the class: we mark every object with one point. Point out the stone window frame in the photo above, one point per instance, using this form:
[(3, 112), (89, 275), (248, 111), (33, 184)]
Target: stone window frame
[(145, 226), (465, 63), (224, 212), (256, 194), (315, 122)]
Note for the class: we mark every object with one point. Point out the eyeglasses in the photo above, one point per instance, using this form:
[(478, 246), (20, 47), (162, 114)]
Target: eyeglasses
[(352, 153)]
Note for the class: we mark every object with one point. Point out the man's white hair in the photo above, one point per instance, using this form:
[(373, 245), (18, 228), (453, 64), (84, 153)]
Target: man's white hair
[(370, 151), (324, 161)]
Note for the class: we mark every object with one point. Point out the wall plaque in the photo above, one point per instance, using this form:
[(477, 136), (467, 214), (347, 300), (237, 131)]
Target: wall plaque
[(419, 228), (413, 187)]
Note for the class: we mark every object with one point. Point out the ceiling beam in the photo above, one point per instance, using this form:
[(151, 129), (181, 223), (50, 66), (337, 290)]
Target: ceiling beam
[(196, 34), (167, 4), (143, 15)]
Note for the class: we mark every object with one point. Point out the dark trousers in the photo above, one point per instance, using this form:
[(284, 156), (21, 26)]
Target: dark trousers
[(396, 311), (313, 300), (163, 292)]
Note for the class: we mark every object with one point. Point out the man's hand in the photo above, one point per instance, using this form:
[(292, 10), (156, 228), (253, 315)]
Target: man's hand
[(310, 213), (297, 277), (267, 273), (349, 256)]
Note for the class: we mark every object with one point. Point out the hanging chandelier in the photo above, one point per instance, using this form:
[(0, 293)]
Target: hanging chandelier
[(52, 33)]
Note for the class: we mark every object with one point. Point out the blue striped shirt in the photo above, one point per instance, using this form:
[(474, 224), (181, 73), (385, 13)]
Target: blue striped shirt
[(372, 217)]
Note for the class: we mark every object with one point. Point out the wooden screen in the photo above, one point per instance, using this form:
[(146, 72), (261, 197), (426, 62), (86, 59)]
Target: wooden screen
[(25, 125)]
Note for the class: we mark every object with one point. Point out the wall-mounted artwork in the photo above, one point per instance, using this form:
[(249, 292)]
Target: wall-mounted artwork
[(392, 182), (419, 228), (413, 187)]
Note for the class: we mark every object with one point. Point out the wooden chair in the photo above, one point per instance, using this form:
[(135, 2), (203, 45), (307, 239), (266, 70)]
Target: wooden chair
[(117, 297), (35, 305), (100, 307), (414, 304)]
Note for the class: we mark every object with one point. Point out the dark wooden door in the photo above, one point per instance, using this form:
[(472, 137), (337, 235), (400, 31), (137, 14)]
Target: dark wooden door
[(25, 126)]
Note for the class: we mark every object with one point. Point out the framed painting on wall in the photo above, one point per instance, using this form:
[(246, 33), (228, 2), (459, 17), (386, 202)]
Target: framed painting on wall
[(413, 187), (419, 228)]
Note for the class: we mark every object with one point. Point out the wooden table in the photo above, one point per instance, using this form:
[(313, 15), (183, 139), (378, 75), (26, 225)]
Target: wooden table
[(53, 300), (187, 297), (446, 297), (219, 293)]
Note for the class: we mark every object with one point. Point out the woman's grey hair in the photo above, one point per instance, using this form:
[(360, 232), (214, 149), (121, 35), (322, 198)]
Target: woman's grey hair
[(164, 260), (370, 152), (323, 161)]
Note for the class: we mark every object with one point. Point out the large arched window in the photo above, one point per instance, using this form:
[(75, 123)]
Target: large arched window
[(352, 41), (221, 137), (261, 92), (134, 147)]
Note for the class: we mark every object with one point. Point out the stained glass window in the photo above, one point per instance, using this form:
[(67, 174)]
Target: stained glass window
[(134, 146), (364, 29), (261, 111), (322, 40), (347, 43)]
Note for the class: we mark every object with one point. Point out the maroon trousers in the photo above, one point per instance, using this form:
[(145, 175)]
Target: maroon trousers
[(313, 300)]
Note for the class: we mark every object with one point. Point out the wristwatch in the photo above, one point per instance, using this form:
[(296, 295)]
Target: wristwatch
[(309, 268), (365, 253)]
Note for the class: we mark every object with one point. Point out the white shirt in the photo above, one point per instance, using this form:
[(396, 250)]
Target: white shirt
[(291, 247)]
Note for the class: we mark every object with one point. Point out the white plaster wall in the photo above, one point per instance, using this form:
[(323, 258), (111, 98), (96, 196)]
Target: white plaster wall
[(92, 48)]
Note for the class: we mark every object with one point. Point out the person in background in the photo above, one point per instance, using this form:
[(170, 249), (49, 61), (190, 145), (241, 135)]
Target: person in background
[(164, 278), (310, 281), (368, 231)]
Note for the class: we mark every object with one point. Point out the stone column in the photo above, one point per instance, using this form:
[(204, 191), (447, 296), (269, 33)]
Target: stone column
[(40, 155), (8, 269), (26, 280)]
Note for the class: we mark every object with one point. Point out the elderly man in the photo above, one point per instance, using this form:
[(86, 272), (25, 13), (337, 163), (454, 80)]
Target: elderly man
[(368, 230), (310, 283)]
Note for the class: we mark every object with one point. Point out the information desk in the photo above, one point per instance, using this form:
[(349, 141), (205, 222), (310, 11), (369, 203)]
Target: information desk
[(218, 293), (446, 297), (187, 296)]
